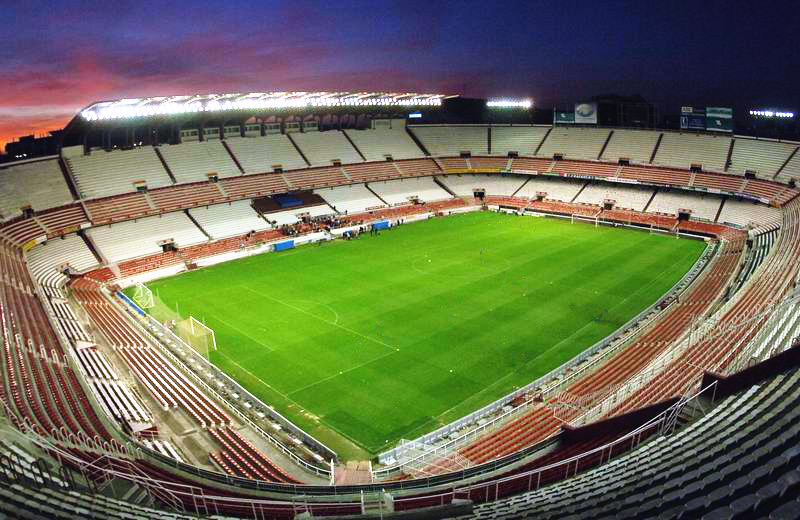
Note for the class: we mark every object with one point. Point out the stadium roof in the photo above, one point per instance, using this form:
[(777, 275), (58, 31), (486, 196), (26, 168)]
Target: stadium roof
[(170, 105)]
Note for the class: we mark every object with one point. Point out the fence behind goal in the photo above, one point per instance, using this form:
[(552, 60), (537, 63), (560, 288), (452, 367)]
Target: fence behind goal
[(196, 335), (191, 330)]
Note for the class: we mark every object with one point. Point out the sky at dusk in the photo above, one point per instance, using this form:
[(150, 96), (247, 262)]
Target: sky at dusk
[(58, 56)]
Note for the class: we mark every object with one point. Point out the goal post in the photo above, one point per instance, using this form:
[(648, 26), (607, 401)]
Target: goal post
[(143, 297), (197, 335)]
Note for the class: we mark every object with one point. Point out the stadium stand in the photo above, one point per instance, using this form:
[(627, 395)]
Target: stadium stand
[(62, 220), (713, 467), (262, 154), (102, 173), (563, 190), (763, 157), (669, 202), (227, 220), (574, 143), (452, 140), (355, 198), (136, 238), (37, 184), (585, 168), (634, 145), (464, 184), (195, 161), (377, 144), (628, 197), (684, 150), (404, 190), (322, 148), (718, 464), (745, 213), (521, 139), (791, 170), (68, 249)]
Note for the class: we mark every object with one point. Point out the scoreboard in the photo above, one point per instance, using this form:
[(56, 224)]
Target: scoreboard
[(712, 119)]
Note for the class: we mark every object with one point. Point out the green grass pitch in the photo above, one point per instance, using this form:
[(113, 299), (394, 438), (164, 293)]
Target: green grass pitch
[(365, 342)]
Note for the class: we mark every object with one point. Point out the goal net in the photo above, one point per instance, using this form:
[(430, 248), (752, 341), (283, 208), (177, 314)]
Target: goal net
[(196, 335), (143, 296)]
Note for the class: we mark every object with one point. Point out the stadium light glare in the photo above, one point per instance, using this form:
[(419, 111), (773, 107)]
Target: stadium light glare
[(772, 113), (145, 107), (510, 103)]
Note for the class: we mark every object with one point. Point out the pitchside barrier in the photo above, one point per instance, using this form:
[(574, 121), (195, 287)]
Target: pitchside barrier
[(397, 457)]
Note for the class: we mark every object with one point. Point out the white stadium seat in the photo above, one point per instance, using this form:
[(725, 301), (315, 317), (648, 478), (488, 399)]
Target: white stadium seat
[(575, 143), (634, 145), (195, 161), (227, 220), (452, 140), (136, 238), (102, 173), (38, 184), (260, 154), (683, 150), (377, 144), (322, 148)]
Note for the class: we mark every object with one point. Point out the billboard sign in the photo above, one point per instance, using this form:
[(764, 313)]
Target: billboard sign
[(693, 118), (560, 117), (719, 119), (586, 113)]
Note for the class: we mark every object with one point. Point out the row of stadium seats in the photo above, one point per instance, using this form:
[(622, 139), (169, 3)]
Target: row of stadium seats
[(738, 461), (45, 393), (752, 306)]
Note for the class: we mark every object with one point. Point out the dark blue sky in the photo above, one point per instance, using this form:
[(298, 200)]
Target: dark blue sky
[(59, 55)]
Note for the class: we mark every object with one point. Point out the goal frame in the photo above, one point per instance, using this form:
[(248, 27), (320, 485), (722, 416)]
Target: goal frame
[(143, 296), (193, 321)]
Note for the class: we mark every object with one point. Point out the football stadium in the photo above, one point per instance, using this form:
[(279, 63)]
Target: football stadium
[(312, 305)]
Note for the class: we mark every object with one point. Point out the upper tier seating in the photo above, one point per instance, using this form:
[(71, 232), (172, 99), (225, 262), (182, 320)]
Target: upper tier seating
[(69, 249), (355, 198), (791, 170), (702, 206), (260, 154), (136, 238), (322, 148), (763, 157), (635, 145), (628, 197), (399, 191), (555, 188), (227, 220), (574, 143), (683, 150), (377, 144), (452, 140), (108, 173), (193, 162), (38, 184), (521, 139), (743, 213)]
